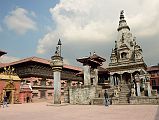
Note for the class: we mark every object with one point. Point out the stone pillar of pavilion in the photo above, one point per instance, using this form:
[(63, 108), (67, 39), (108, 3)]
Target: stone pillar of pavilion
[(57, 65), (111, 80), (90, 65), (148, 85), (138, 84), (95, 82), (87, 76)]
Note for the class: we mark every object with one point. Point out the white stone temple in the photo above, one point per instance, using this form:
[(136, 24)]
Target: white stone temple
[(128, 76)]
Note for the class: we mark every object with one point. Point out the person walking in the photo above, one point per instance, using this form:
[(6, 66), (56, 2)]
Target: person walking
[(5, 101), (106, 98)]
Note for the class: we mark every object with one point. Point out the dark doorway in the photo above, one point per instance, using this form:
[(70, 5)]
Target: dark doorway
[(9, 96), (126, 77), (42, 93)]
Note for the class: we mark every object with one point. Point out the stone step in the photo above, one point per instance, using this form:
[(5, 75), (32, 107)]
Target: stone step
[(123, 99), (123, 103), (125, 90), (120, 99), (123, 94)]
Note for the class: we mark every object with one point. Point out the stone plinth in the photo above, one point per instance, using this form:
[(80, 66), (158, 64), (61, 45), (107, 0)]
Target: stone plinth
[(82, 95), (144, 100)]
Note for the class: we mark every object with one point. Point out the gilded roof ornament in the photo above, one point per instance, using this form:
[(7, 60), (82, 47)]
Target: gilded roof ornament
[(9, 71)]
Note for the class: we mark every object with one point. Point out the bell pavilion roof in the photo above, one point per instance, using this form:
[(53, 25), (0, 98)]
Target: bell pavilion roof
[(93, 60)]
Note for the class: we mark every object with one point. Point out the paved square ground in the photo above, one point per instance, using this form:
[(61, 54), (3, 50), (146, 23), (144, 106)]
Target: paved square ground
[(40, 111)]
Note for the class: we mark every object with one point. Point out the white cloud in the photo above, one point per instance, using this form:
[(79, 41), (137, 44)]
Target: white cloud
[(145, 23), (77, 21), (20, 21), (8, 59), (92, 21)]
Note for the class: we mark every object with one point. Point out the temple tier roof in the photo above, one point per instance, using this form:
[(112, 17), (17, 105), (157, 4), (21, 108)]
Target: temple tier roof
[(2, 53), (39, 60), (93, 60)]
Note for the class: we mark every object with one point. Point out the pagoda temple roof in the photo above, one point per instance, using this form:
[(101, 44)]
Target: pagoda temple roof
[(153, 68), (92, 60), (39, 60), (2, 52)]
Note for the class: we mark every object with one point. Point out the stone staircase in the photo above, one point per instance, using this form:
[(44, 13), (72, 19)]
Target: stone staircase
[(124, 94)]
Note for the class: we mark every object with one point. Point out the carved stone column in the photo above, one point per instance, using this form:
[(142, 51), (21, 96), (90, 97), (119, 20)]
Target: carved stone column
[(138, 88), (86, 75), (138, 85), (148, 88), (121, 79), (111, 80), (131, 78), (57, 64), (95, 82)]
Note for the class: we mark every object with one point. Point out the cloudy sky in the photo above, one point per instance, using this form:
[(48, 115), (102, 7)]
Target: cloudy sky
[(33, 27)]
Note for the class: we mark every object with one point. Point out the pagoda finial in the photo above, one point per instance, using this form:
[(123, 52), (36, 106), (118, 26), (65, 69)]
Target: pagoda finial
[(59, 42), (115, 44), (122, 14), (122, 22), (90, 53), (58, 48)]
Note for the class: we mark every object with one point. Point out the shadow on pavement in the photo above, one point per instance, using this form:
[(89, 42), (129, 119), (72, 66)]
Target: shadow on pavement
[(157, 114)]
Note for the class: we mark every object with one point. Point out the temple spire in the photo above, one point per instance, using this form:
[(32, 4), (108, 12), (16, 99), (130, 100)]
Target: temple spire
[(122, 14), (122, 22)]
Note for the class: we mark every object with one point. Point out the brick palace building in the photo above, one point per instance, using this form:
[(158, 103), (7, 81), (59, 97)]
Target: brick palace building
[(154, 79), (35, 81)]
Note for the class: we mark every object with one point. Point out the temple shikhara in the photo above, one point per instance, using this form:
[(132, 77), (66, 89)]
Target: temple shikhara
[(128, 75), (127, 79)]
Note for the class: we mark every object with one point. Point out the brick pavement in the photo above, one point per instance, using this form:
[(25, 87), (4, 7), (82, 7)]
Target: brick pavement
[(40, 111)]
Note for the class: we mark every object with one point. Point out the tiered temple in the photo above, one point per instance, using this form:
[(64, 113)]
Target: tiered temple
[(127, 68)]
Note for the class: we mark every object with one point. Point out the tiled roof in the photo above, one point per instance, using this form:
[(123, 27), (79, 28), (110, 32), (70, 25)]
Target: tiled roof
[(3, 64), (39, 60), (2, 52), (153, 68)]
